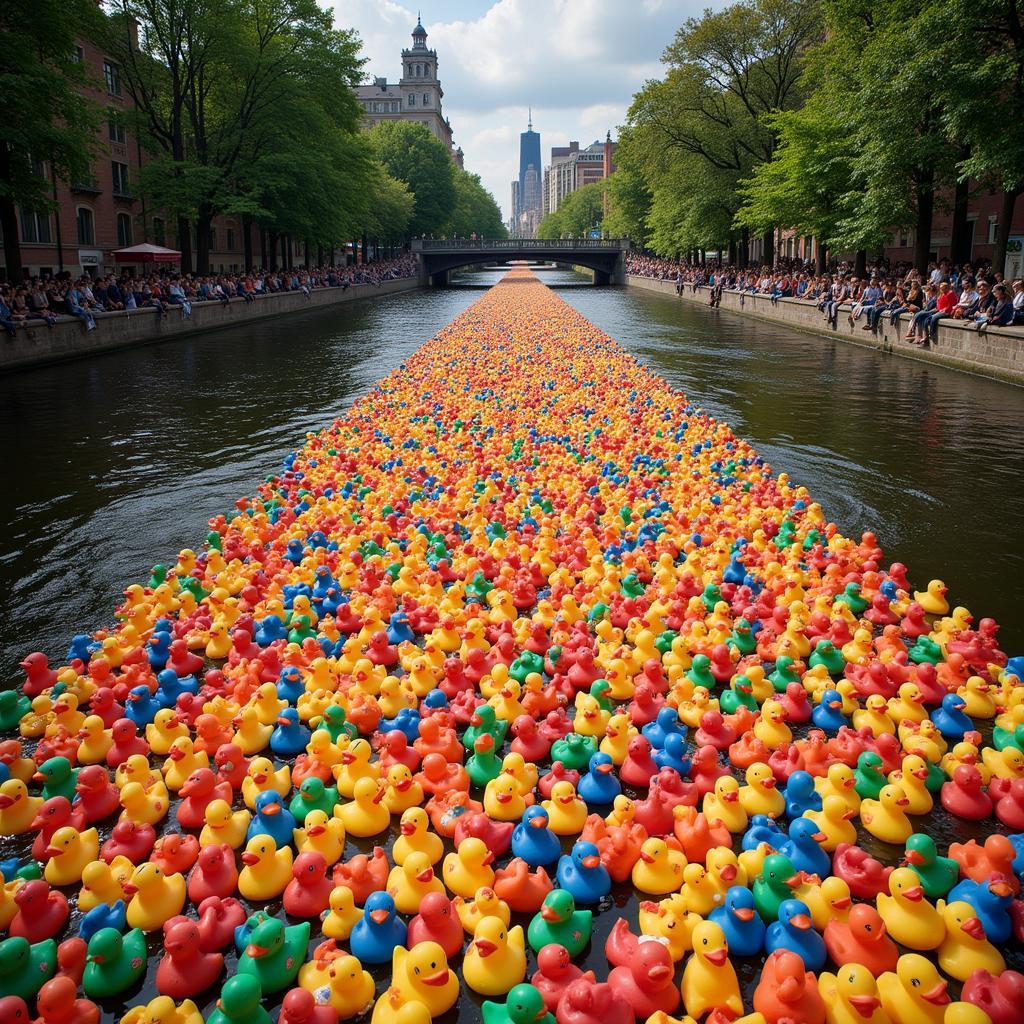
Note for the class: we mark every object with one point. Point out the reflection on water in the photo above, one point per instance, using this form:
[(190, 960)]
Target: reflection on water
[(116, 462)]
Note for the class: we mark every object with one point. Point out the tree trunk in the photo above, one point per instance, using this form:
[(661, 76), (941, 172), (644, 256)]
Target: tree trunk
[(768, 244), (319, 255), (366, 250), (1002, 228), (185, 244), (271, 251), (286, 261), (12, 246), (923, 228), (860, 263), (205, 215), (247, 241), (732, 252), (959, 240), (263, 249), (744, 253), (820, 260)]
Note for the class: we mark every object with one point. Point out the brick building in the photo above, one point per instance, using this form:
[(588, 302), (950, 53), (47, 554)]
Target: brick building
[(571, 168)]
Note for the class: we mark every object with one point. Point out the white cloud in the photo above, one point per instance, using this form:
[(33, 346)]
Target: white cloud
[(577, 63)]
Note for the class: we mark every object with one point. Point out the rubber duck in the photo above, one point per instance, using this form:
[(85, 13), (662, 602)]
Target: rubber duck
[(913, 776), (647, 982), (215, 874), (251, 735), (262, 777), (803, 847), (17, 808), (41, 911), (115, 962), (524, 1005), (56, 1004), (886, 817), (787, 991), (495, 960), (774, 884), (833, 822), (1007, 763), (55, 813), (182, 760), (709, 979), (933, 599), (415, 837), (533, 841), (240, 1002), (828, 713), (266, 870), (861, 939), (299, 1006), (355, 765), (964, 947), (365, 815), (964, 794), (978, 699), (759, 795), (949, 718), (794, 931), (999, 996), (347, 989), (68, 853), (468, 868), (874, 716), (908, 704), (566, 812), (1009, 807), (309, 891), (723, 804), (437, 921), (617, 736), (937, 874), (95, 741), (992, 902), (555, 972), (222, 826), (97, 797), (587, 1002), (659, 869), (420, 977), (272, 819), (363, 875), (184, 968), (274, 953), (583, 875), (410, 881), (485, 903), (558, 921), (339, 919), (175, 852), (376, 934), (154, 897)]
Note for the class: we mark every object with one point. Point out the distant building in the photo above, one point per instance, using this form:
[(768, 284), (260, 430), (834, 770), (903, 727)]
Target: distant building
[(526, 189), (416, 96), (571, 168)]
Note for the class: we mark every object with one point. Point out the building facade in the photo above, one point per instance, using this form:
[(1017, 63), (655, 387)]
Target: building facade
[(416, 96), (527, 204), (571, 168)]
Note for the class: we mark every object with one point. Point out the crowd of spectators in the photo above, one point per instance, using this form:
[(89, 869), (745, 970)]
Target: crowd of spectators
[(41, 300), (975, 295)]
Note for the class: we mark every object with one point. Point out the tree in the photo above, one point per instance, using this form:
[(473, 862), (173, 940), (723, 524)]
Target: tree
[(582, 211), (629, 204), (550, 226), (411, 153), (474, 210), (45, 119)]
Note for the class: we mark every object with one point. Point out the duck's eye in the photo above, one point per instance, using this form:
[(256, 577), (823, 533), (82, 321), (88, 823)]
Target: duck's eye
[(416, 969)]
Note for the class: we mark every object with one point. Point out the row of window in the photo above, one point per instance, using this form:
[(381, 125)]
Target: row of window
[(417, 71), (394, 106), (35, 227), (111, 72)]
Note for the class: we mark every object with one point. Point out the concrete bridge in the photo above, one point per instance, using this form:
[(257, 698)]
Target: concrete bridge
[(606, 257)]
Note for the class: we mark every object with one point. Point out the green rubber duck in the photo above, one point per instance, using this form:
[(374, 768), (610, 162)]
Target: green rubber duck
[(742, 637), (938, 874), (485, 764), (275, 953), (599, 690), (313, 795), (25, 968), (936, 777), (598, 612), (334, 722), (194, 587), (700, 672), (711, 596), (868, 777), (526, 664), (665, 640), (786, 535), (740, 693), (301, 629), (484, 720), (825, 653), (523, 1005), (1001, 738), (812, 538), (925, 649), (58, 778), (784, 673), (631, 586), (14, 705), (559, 921), (479, 587), (241, 1002), (114, 962), (574, 750), (157, 576), (851, 597), (771, 887)]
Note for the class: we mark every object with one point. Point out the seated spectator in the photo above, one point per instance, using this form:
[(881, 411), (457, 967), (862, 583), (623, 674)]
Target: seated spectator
[(6, 320), (76, 303), (40, 303), (997, 313)]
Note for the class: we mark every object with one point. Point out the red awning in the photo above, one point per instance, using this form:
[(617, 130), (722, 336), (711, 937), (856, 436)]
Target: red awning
[(146, 253)]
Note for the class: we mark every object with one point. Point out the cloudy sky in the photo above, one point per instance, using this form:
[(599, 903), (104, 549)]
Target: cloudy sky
[(576, 62)]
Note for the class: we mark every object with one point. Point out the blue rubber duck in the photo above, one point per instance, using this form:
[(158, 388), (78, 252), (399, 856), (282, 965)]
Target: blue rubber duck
[(1017, 839), (170, 686), (326, 597), (801, 796), (103, 916), (665, 723), (407, 720), (991, 901), (803, 847), (82, 647), (739, 919), (583, 874), (794, 931), (949, 718), (141, 706), (290, 685), (375, 935), (158, 650), (599, 785), (399, 631), (272, 819), (673, 754), (270, 629), (762, 829), (828, 715), (290, 736), (435, 700), (533, 840)]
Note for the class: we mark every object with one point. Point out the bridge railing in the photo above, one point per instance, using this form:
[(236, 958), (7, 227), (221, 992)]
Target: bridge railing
[(519, 244)]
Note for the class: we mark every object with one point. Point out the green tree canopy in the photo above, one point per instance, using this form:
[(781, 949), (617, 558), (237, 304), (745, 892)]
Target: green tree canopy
[(474, 211), (580, 213)]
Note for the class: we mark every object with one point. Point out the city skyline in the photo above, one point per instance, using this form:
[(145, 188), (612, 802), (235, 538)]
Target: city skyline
[(576, 78)]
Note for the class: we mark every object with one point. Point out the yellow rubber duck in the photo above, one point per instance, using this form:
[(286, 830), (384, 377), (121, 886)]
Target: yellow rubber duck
[(828, 899), (912, 776), (851, 996), (485, 903), (915, 992), (262, 776), (8, 906), (421, 983), (760, 795), (267, 705), (469, 868), (415, 837), (321, 834), (909, 918), (874, 716), (182, 760), (908, 704), (155, 897), (617, 734), (69, 851), (402, 790), (251, 735), (222, 825), (699, 891), (590, 718), (886, 818), (567, 813), (659, 869), (322, 749), (859, 650), (35, 722), (342, 914), (365, 814), (922, 738), (95, 740), (525, 774), (103, 883), (723, 804), (1007, 763), (410, 881), (839, 781), (671, 920), (349, 990), (965, 753), (691, 711), (506, 703), (266, 870), (503, 800), (709, 979), (163, 1010), (770, 727), (17, 807), (495, 960), (965, 949), (933, 600), (724, 869), (978, 700), (137, 769), (165, 728), (834, 821), (394, 696), (355, 765)]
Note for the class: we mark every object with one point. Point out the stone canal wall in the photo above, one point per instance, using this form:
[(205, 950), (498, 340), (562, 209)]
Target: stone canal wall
[(39, 344), (996, 352)]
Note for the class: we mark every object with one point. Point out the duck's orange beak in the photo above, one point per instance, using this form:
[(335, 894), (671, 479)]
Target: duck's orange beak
[(937, 996), (717, 957), (592, 861), (744, 913), (915, 895), (250, 858), (974, 928), (485, 947), (425, 875), (865, 1005), (441, 978)]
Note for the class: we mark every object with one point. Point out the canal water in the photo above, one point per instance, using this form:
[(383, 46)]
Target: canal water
[(118, 461)]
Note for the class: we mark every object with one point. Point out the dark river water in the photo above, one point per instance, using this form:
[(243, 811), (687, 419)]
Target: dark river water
[(117, 462)]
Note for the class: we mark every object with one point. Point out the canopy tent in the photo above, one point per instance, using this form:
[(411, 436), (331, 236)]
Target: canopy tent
[(146, 253)]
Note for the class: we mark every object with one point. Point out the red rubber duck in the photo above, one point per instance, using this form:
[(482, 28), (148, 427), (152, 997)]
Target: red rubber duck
[(57, 1003), (127, 741), (41, 912), (218, 919), (309, 891), (184, 968), (981, 862), (622, 946), (559, 773), (964, 795), (555, 973), (645, 705), (437, 775), (865, 876), (243, 648), (748, 749), (639, 767), (788, 992), (199, 790), (846, 746), (175, 853), (1000, 996), (817, 757), (54, 814), (437, 738), (697, 836), (38, 674), (784, 760), (527, 739), (556, 725), (105, 704), (1009, 797), (497, 835), (437, 922), (446, 809), (648, 982), (182, 660), (129, 839), (394, 748), (582, 675), (796, 703), (189, 706), (927, 680), (584, 1002), (714, 732), (862, 939), (232, 765), (299, 1006), (523, 890), (215, 873), (98, 797), (211, 733), (363, 874), (706, 769)]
